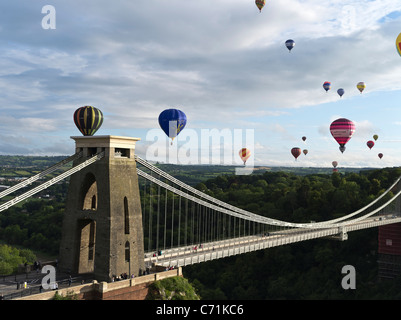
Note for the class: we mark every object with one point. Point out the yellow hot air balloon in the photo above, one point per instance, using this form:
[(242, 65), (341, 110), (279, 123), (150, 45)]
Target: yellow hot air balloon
[(375, 136), (361, 86), (398, 44)]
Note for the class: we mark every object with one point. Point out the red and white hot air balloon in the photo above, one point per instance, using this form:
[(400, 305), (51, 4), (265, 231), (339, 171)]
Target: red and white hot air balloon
[(244, 154)]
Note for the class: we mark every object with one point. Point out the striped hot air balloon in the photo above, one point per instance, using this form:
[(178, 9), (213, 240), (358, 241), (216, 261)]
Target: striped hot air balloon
[(88, 120), (260, 4), (342, 130), (361, 86), (244, 154)]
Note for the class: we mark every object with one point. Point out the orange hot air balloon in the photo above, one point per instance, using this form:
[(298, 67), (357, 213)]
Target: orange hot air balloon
[(296, 152), (244, 154)]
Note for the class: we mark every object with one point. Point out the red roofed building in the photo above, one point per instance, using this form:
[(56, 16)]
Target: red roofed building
[(389, 251)]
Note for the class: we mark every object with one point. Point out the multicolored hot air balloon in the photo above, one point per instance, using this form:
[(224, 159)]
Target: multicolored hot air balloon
[(326, 85), (88, 120), (380, 155), (342, 130), (244, 154), (375, 136), (296, 152), (398, 44), (361, 86), (305, 151), (172, 121), (260, 4), (340, 92), (370, 144), (290, 44)]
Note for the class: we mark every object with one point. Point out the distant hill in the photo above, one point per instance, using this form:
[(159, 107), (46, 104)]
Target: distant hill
[(190, 174), (193, 174)]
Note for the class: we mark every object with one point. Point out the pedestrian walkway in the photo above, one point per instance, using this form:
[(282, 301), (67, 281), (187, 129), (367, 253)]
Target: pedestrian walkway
[(28, 283)]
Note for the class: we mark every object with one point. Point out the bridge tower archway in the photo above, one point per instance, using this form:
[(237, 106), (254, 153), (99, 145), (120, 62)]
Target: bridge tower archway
[(103, 214)]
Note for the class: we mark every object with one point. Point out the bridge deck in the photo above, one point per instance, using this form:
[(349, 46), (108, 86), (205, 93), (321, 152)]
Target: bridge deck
[(187, 255)]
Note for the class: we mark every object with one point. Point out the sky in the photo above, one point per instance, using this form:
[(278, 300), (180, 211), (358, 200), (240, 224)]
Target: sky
[(221, 62)]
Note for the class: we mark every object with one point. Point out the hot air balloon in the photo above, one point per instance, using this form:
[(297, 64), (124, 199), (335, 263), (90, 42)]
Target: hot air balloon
[(260, 4), (335, 164), (305, 151), (244, 154), (398, 44), (303, 138), (361, 86), (370, 144), (340, 92), (296, 152), (172, 121), (342, 130), (326, 85), (290, 44), (380, 155), (375, 136), (88, 120)]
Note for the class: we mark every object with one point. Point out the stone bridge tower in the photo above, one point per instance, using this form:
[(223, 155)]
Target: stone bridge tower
[(102, 227)]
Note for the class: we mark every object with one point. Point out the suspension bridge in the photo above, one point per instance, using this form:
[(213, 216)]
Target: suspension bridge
[(179, 225)]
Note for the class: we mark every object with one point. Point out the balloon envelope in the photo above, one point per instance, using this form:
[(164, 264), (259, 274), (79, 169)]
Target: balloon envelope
[(340, 92), (326, 85), (303, 138), (370, 144), (375, 137), (398, 44), (380, 155), (296, 152), (88, 120), (260, 4), (361, 86), (244, 154), (172, 121), (342, 130), (334, 163), (290, 44), (305, 151)]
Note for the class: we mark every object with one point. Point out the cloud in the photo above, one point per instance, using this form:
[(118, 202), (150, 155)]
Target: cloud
[(222, 62)]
